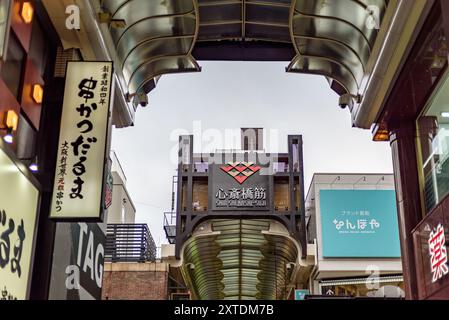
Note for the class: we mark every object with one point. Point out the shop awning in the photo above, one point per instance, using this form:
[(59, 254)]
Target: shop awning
[(239, 259)]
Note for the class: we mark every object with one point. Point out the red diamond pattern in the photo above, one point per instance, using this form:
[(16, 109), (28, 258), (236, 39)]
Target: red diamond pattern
[(239, 170)]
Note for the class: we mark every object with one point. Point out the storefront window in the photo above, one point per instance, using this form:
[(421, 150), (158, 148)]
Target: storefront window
[(434, 142), (200, 199), (379, 288)]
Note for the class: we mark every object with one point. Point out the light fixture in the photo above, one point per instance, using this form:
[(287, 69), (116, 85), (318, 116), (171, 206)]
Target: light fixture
[(38, 93), (33, 166), (445, 114), (27, 12), (11, 119), (9, 138), (380, 133)]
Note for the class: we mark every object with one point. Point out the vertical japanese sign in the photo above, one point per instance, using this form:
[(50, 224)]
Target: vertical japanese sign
[(5, 22), (438, 253), (80, 167), (18, 211)]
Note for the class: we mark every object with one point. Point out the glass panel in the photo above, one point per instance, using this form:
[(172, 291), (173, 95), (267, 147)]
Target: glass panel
[(11, 70), (281, 195), (434, 138), (200, 201)]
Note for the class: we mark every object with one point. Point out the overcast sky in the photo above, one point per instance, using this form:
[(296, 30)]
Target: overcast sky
[(227, 96)]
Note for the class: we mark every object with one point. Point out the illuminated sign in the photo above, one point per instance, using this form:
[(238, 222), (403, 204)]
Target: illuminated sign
[(438, 253), (5, 22), (18, 210), (80, 170)]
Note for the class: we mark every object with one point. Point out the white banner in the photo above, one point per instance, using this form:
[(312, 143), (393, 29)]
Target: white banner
[(18, 210), (79, 177)]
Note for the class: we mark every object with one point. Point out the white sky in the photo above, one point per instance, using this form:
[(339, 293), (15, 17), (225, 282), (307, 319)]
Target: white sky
[(231, 95)]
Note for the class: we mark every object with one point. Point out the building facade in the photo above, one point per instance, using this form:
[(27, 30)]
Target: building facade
[(240, 227), (409, 109), (393, 79), (352, 220)]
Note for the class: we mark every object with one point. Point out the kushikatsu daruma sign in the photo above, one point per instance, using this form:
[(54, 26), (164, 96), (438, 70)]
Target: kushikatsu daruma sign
[(239, 186), (80, 168), (18, 212)]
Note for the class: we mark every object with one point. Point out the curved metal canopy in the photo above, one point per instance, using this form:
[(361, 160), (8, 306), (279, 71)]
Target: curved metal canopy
[(158, 38), (248, 20), (239, 260), (335, 38)]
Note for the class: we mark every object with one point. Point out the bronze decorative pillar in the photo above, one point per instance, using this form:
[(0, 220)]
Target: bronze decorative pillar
[(403, 147)]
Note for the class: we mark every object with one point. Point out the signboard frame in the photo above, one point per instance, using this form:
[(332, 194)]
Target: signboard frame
[(101, 212), (217, 178), (32, 179)]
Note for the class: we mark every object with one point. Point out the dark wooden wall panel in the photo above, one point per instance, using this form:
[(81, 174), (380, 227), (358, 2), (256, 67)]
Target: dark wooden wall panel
[(29, 106)]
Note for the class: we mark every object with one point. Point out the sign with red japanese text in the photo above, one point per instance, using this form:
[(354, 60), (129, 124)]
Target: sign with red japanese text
[(438, 253), (78, 191), (18, 211)]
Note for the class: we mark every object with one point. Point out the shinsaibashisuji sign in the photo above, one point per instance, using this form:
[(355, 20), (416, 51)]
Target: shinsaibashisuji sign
[(80, 168)]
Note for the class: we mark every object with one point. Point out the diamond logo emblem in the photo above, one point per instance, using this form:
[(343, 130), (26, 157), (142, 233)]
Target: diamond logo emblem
[(240, 171)]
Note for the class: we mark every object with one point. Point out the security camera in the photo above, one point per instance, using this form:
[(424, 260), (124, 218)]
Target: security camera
[(346, 101), (142, 99), (139, 98), (290, 265)]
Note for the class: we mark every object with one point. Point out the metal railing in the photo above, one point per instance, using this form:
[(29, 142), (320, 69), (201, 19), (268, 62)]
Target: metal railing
[(129, 243), (170, 226)]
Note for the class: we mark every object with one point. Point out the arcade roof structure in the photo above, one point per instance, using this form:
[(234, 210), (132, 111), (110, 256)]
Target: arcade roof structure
[(330, 38)]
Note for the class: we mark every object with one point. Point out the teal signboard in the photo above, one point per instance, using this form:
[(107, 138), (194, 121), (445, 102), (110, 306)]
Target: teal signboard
[(301, 294), (359, 224)]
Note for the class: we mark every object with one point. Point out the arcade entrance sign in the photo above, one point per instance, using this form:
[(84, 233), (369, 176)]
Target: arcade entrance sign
[(239, 186)]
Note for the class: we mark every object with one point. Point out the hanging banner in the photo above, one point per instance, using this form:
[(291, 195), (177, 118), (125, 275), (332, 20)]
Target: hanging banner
[(19, 200), (80, 169)]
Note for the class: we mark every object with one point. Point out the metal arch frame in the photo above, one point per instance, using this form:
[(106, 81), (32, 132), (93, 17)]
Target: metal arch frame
[(266, 278), (350, 84), (321, 72), (136, 86), (243, 21)]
